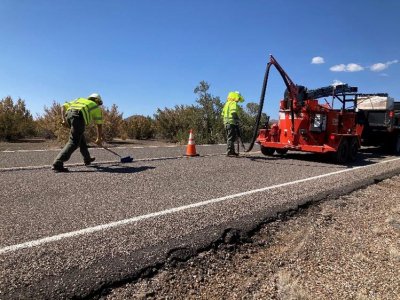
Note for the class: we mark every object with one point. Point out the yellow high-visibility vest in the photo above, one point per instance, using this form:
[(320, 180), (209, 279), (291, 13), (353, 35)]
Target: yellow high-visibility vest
[(90, 110), (230, 112)]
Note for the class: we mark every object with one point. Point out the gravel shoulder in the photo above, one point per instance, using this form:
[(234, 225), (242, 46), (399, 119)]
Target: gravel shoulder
[(345, 248)]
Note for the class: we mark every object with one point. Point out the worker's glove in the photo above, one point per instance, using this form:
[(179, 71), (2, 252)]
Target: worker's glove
[(99, 142)]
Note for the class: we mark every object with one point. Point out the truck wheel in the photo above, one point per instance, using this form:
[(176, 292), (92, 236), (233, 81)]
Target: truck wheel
[(342, 153), (281, 151), (267, 151), (353, 151)]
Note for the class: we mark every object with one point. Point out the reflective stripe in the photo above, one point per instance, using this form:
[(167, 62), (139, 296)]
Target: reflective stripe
[(83, 108), (78, 107), (90, 110), (85, 115)]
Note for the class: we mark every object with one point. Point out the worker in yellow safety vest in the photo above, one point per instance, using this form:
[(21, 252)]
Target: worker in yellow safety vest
[(230, 114), (77, 115)]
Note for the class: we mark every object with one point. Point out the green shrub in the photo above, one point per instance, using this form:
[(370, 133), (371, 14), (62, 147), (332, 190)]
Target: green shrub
[(49, 124), (174, 124), (140, 127), (15, 120)]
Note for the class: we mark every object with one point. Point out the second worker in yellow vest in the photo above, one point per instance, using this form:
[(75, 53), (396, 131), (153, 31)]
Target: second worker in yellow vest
[(230, 114)]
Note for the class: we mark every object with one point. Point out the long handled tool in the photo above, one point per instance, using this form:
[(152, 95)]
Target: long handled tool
[(239, 139), (125, 159)]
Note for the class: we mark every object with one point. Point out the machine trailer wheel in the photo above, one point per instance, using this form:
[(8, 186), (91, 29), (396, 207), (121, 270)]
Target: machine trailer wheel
[(353, 151), (267, 151), (342, 153), (281, 151)]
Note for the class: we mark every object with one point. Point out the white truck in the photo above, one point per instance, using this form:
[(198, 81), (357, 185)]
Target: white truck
[(380, 115)]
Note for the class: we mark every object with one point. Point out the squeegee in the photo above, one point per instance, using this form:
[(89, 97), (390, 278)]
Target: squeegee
[(125, 159)]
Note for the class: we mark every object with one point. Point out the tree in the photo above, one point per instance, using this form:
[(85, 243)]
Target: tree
[(15, 120), (204, 118), (49, 124), (210, 108)]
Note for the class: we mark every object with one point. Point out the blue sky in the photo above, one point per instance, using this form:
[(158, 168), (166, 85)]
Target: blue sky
[(144, 55)]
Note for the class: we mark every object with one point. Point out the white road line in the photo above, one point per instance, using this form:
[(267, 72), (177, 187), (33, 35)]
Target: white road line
[(27, 151), (24, 168), (121, 147), (96, 163), (102, 227)]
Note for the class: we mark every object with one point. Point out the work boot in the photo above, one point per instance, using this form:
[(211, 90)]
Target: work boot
[(89, 161), (232, 154), (59, 168)]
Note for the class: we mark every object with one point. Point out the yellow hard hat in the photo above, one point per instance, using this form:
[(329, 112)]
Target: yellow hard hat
[(96, 98), (235, 96)]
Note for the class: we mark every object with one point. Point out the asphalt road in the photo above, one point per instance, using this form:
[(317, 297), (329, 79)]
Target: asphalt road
[(66, 235)]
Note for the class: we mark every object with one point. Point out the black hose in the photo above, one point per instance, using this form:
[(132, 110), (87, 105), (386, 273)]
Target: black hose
[(261, 104), (288, 82)]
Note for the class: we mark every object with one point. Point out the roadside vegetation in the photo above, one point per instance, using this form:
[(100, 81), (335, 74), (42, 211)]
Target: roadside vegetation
[(167, 124), (15, 120)]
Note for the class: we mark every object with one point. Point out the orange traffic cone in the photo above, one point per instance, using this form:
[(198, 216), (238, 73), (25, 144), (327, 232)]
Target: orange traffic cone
[(191, 146)]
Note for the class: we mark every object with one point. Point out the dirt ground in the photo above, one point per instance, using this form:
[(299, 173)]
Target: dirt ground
[(347, 248)]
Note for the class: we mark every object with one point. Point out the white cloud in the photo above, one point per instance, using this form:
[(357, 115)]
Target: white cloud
[(317, 60), (378, 67), (354, 68), (338, 68), (346, 68)]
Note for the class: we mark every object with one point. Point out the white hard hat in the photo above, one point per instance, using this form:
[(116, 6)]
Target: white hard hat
[(96, 98)]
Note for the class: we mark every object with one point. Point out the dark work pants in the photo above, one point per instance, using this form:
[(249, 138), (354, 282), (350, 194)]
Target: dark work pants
[(76, 138), (231, 136)]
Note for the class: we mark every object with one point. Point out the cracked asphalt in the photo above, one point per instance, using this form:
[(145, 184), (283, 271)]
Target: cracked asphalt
[(75, 234)]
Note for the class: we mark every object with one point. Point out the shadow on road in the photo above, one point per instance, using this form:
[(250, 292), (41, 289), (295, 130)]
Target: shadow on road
[(116, 169), (365, 157)]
